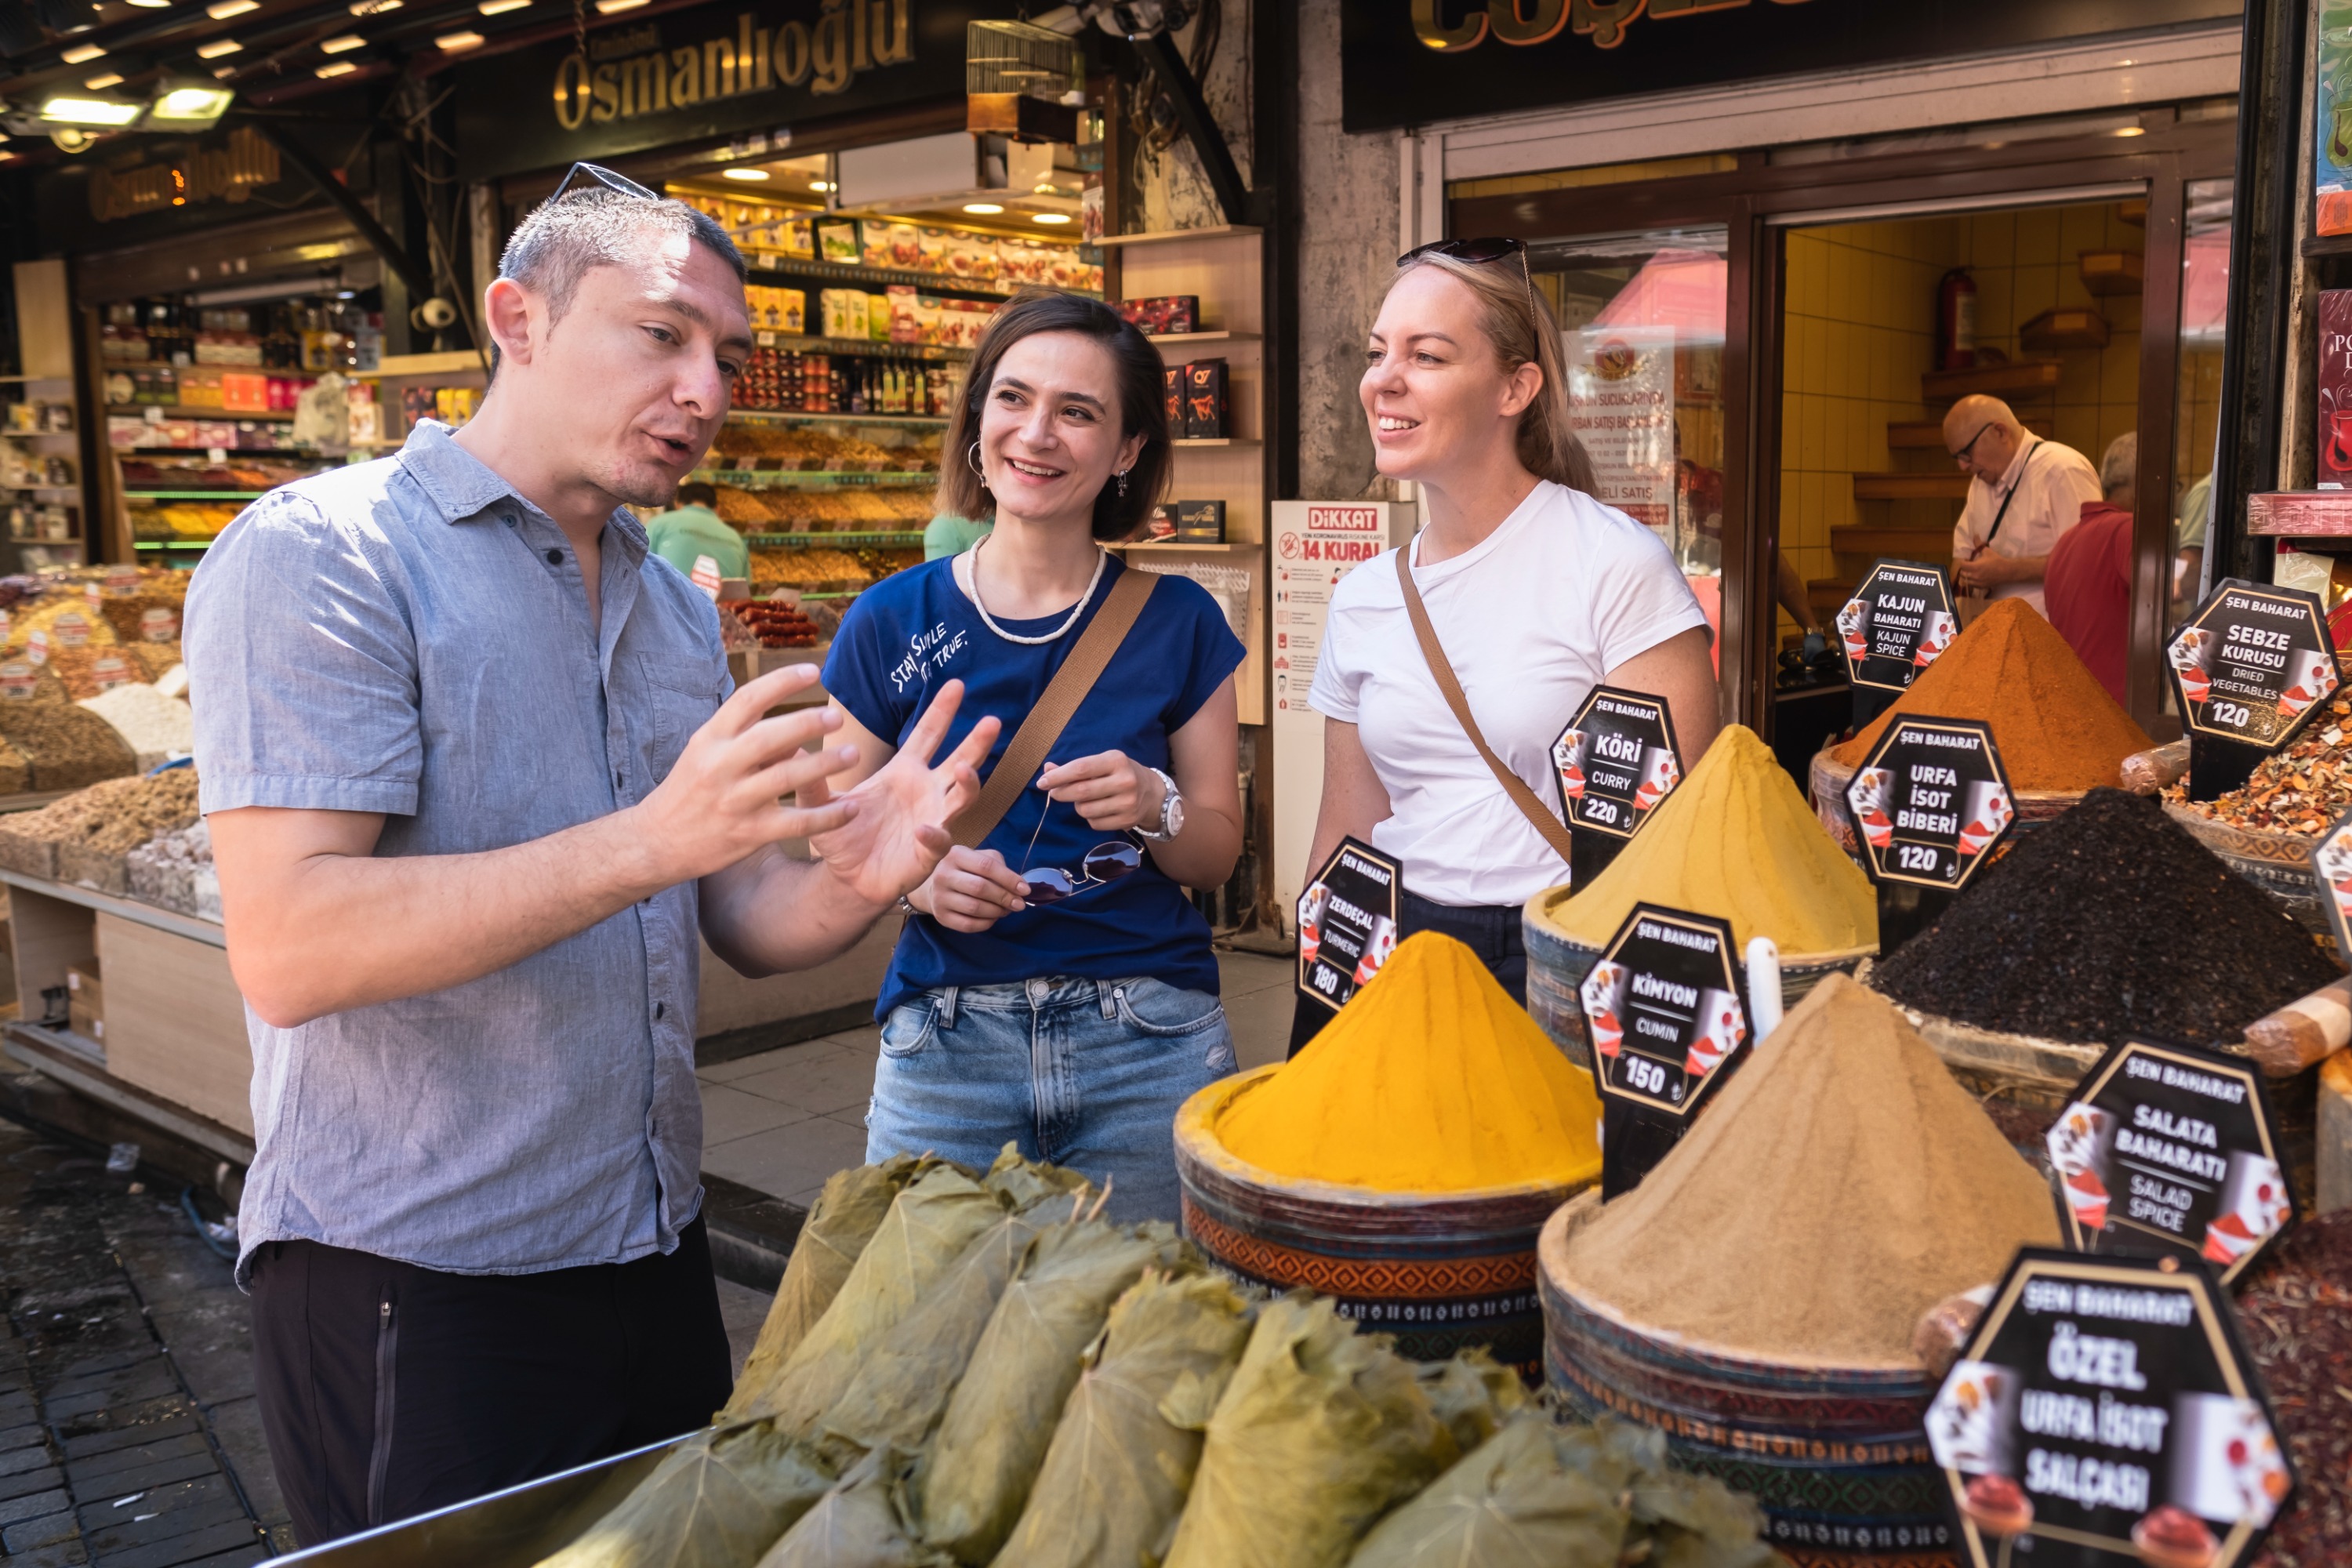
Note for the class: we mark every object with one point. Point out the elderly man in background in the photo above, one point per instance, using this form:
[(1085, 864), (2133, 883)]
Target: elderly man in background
[(2089, 580), (2024, 492)]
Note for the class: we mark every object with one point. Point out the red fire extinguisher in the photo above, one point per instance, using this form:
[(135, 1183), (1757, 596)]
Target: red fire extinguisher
[(1956, 321)]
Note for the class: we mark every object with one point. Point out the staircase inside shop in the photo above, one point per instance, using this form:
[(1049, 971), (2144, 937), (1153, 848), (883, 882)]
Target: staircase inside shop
[(1908, 513)]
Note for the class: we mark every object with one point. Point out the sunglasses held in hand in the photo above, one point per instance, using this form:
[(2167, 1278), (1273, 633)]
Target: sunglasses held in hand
[(1106, 862)]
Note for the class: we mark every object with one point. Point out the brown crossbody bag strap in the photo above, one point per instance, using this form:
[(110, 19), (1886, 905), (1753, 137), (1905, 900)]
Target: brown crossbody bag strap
[(1017, 769), (1530, 804)]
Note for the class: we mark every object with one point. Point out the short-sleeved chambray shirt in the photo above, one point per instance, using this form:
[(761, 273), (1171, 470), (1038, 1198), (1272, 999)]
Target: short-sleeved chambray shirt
[(410, 636)]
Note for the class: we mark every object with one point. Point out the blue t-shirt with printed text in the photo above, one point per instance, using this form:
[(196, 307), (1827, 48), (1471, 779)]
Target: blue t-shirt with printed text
[(912, 633)]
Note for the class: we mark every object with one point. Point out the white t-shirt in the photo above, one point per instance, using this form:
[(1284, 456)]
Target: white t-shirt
[(1565, 591)]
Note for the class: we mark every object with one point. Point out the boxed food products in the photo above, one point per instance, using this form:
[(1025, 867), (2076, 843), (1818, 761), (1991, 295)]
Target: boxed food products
[(1201, 521), (931, 250), (879, 317), (874, 242), (797, 240), (1161, 523), (1204, 400), (844, 312), (2334, 458), (1171, 386), (836, 241), (1163, 313)]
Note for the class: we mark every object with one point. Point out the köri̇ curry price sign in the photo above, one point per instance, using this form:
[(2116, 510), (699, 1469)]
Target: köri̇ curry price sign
[(1930, 802), (2169, 1149), (2247, 667), (2105, 1413), (1663, 1009), (1616, 761)]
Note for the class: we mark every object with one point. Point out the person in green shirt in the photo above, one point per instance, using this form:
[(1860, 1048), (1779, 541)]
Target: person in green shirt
[(691, 530), (948, 534)]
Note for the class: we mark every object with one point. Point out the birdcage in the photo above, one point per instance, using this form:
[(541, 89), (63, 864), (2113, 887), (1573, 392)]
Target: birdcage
[(1016, 57)]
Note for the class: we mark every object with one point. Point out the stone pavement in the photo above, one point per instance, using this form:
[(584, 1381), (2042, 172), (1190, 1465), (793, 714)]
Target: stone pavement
[(784, 1120), (127, 1435)]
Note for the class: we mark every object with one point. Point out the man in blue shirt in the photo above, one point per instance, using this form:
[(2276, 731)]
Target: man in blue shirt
[(475, 782)]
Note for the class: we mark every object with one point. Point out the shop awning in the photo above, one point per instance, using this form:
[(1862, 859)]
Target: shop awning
[(1683, 289)]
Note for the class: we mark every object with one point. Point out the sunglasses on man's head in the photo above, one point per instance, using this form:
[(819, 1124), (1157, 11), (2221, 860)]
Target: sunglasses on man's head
[(1477, 253), (595, 176)]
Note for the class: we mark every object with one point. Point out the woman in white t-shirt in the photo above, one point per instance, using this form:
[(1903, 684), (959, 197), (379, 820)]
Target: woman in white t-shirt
[(1536, 592)]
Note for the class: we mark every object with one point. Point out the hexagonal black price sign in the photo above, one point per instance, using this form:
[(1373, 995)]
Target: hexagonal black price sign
[(1663, 1010), (1930, 801), (2252, 663), (2105, 1412), (2172, 1150), (1617, 760), (1898, 620)]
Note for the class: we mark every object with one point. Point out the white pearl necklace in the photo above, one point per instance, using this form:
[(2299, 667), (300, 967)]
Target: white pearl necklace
[(1102, 559)]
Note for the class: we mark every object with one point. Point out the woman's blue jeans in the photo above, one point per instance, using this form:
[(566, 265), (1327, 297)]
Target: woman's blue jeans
[(1085, 1073)]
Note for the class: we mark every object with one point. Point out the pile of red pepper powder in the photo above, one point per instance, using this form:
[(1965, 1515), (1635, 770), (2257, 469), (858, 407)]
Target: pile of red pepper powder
[(2297, 1316)]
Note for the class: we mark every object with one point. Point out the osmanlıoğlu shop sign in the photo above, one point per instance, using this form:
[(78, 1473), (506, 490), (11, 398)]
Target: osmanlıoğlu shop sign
[(734, 71), (826, 55)]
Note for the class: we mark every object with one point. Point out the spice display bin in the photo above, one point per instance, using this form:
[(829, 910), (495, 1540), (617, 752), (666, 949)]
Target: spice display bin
[(1836, 1456), (1440, 1271), (1829, 778), (2025, 1081), (1558, 964), (2278, 863)]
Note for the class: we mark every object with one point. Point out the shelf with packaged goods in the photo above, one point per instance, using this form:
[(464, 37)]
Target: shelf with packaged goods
[(1185, 340), (192, 495), (871, 348), (190, 411), (1215, 441), (171, 544), (1170, 235), (831, 541), (779, 266), (1179, 546), (794, 416), (796, 479)]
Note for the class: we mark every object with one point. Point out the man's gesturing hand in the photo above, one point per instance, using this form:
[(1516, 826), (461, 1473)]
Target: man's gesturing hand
[(898, 828), (723, 799)]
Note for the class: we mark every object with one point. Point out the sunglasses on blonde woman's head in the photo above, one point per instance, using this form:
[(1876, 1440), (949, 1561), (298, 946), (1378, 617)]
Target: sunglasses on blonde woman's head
[(595, 176), (1476, 253)]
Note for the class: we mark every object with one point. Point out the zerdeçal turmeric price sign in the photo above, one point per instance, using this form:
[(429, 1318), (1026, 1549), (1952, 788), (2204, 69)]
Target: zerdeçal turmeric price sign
[(2249, 668)]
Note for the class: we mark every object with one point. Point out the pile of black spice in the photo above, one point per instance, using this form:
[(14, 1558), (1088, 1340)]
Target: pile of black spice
[(2297, 1318), (2109, 922)]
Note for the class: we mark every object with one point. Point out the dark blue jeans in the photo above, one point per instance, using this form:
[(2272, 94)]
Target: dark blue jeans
[(1490, 931)]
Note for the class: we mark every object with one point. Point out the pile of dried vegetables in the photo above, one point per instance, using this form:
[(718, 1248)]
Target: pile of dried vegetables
[(964, 1368), (2302, 789)]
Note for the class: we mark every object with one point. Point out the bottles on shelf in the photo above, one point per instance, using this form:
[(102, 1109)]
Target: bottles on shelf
[(786, 380)]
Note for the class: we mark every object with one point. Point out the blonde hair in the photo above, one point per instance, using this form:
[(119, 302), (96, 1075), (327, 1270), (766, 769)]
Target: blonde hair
[(1523, 330)]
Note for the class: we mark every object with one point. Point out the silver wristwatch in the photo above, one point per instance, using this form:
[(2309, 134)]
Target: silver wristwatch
[(1171, 811)]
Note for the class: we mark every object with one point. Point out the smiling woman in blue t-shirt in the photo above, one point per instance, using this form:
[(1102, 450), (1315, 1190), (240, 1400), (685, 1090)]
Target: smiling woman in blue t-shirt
[(1055, 987)]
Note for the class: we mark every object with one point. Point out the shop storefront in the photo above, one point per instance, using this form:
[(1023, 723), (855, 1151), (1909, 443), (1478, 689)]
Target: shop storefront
[(1751, 273)]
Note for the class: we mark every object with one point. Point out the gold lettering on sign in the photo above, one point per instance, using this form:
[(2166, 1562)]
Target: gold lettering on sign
[(1525, 22), (849, 37), (229, 173), (1605, 20), (1467, 34)]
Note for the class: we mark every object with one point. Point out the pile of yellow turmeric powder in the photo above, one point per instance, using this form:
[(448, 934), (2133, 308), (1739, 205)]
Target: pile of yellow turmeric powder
[(1736, 840), (1430, 1080)]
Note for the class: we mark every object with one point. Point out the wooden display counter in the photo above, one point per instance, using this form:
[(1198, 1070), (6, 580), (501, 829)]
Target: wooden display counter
[(171, 1047)]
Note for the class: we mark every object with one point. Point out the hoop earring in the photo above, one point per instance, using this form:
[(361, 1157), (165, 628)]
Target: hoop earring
[(1122, 484), (971, 461)]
